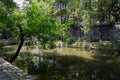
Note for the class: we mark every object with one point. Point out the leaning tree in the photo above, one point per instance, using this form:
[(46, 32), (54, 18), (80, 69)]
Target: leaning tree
[(33, 21)]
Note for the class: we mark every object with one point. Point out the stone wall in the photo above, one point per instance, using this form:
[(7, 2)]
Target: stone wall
[(10, 72), (107, 32)]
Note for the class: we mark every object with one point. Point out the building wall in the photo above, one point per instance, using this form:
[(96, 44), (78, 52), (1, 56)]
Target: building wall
[(108, 31)]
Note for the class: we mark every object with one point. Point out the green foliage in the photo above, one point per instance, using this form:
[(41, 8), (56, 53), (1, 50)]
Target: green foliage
[(62, 31), (24, 60), (88, 21), (115, 12), (6, 9), (51, 45), (1, 45), (39, 21), (19, 17), (69, 40)]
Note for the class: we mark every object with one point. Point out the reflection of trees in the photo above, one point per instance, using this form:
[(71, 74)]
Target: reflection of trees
[(78, 68)]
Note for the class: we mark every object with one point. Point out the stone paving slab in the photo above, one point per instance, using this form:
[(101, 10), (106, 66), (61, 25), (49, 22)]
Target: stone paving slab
[(10, 72)]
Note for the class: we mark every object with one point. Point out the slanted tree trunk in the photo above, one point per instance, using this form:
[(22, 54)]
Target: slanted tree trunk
[(20, 45)]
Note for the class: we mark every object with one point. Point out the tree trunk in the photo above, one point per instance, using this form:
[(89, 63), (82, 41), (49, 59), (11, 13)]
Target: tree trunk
[(79, 27), (90, 37), (44, 45), (100, 33), (60, 13), (20, 45)]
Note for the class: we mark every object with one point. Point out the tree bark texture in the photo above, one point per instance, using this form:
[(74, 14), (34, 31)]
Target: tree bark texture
[(20, 45)]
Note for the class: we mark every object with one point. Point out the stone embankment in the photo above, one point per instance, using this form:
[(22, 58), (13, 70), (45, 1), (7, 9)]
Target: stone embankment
[(10, 72)]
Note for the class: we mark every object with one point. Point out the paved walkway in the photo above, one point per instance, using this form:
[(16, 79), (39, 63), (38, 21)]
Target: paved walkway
[(10, 72)]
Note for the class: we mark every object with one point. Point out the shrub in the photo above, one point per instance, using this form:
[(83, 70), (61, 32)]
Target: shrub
[(51, 46), (1, 44)]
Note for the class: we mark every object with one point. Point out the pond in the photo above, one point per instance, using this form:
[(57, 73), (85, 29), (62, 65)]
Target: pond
[(70, 64), (75, 64)]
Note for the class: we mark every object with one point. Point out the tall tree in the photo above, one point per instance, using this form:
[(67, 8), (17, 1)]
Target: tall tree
[(33, 21), (115, 10), (94, 12), (102, 10), (19, 22), (39, 21), (6, 9)]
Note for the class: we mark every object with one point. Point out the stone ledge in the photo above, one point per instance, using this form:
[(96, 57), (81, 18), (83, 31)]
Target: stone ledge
[(10, 72)]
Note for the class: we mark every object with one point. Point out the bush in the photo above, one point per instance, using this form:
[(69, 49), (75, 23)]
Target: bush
[(69, 40), (1, 44), (51, 46), (24, 60), (32, 68)]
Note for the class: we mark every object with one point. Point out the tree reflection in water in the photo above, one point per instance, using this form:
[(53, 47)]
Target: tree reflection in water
[(98, 65)]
